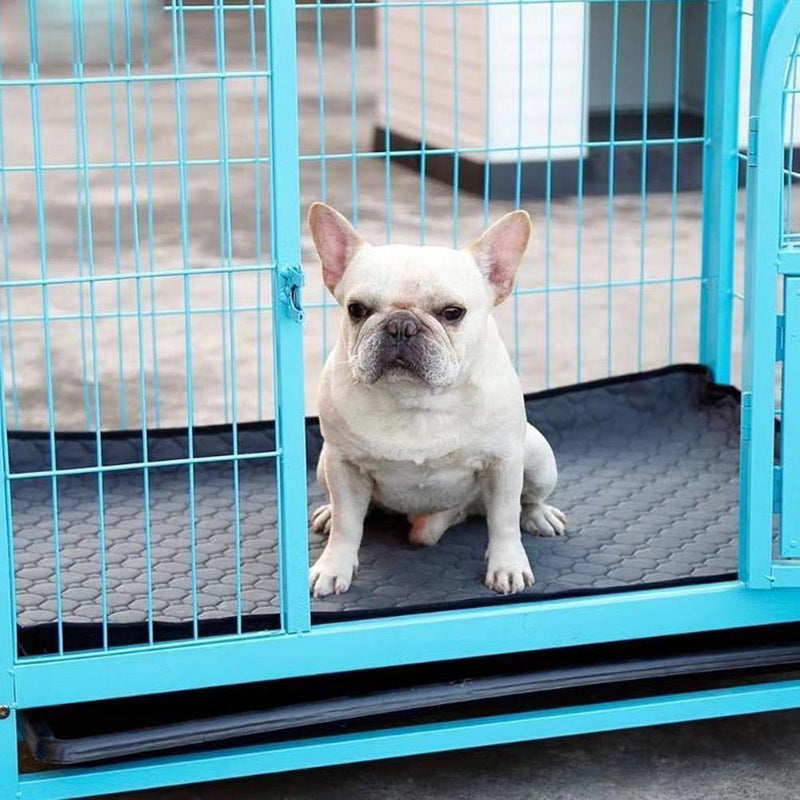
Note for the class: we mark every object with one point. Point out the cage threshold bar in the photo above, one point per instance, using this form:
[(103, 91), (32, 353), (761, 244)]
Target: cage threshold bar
[(82, 676), (412, 740)]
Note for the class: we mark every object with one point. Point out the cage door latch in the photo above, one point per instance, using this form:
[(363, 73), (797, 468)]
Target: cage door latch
[(752, 143), (291, 281), (747, 416)]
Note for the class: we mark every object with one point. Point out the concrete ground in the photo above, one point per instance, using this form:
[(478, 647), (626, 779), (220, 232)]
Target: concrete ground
[(745, 758), (740, 758)]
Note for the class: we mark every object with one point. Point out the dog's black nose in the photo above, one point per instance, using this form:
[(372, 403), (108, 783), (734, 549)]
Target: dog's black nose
[(401, 327)]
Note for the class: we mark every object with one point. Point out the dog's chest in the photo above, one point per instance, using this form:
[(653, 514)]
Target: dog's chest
[(409, 487)]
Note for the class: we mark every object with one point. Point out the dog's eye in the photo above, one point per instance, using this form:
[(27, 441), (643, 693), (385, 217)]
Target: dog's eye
[(452, 313), (357, 311)]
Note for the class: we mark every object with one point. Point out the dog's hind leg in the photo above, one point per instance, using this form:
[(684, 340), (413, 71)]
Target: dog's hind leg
[(541, 474), (321, 516), (321, 519), (427, 529)]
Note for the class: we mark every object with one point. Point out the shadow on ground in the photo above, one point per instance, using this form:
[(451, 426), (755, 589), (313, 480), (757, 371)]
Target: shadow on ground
[(741, 758)]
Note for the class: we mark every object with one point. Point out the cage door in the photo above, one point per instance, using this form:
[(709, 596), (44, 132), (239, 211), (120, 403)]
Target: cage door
[(770, 465)]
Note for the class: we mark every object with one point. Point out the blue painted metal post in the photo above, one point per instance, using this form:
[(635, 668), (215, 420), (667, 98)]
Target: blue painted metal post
[(9, 771), (287, 326), (764, 187), (790, 422), (720, 183)]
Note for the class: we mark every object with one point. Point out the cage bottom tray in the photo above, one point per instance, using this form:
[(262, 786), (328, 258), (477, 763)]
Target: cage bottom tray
[(649, 470), (298, 709)]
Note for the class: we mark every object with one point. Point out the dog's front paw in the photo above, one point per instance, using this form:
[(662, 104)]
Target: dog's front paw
[(508, 569), (333, 573), (540, 519)]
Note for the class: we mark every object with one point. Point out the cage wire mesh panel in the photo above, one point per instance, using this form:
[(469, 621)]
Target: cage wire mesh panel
[(115, 181), (137, 275), (590, 115), (137, 256)]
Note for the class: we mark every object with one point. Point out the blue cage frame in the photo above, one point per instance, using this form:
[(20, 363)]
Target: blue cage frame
[(766, 591)]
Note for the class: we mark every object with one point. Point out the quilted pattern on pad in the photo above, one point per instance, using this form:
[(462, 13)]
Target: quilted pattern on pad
[(648, 479)]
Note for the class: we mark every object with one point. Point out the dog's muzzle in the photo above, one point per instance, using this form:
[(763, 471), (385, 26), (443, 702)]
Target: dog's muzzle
[(403, 346)]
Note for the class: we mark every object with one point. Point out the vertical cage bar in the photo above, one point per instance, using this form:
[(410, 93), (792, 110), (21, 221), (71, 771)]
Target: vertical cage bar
[(6, 255), (323, 161), (387, 123), (548, 198), (643, 182), (178, 63), (612, 130), (791, 82), (79, 227), (579, 211), (676, 116), (354, 109), (518, 169), (41, 224), (9, 770), (223, 192), (790, 423), (456, 132), (720, 183), (226, 260), (140, 334), (258, 209), (287, 330), (423, 125), (112, 88), (487, 112), (148, 140), (764, 191), (83, 160)]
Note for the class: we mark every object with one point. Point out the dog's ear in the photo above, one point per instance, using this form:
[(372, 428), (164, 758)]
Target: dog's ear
[(499, 250), (336, 241)]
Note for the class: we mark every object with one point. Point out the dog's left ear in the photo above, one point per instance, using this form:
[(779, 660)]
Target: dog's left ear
[(499, 250)]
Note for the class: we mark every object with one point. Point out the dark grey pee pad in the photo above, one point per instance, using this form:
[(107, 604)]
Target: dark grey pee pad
[(648, 478)]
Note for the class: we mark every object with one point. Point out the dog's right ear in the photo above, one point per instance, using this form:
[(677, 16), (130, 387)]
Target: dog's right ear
[(336, 240)]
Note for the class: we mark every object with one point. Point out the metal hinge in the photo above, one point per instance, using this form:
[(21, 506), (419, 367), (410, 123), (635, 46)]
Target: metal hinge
[(777, 475), (747, 415), (752, 143), (291, 280), (780, 337)]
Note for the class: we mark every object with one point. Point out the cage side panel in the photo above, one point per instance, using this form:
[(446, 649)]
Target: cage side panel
[(721, 180)]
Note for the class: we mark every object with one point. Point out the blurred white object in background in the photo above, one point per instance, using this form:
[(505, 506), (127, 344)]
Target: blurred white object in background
[(108, 25)]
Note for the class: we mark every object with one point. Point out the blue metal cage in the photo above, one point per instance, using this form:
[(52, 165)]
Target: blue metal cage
[(155, 158)]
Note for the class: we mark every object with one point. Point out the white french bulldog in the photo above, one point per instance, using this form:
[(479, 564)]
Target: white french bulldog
[(420, 407)]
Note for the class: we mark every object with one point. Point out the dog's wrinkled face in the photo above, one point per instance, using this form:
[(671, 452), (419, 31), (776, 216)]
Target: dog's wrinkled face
[(412, 313), (415, 313)]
